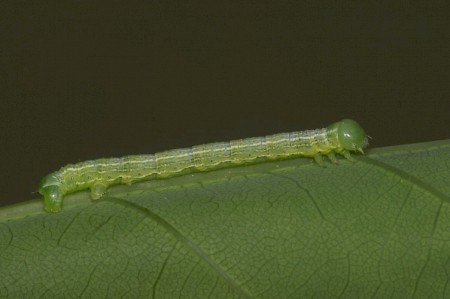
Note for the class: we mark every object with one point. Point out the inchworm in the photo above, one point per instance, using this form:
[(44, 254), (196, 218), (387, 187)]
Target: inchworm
[(340, 137)]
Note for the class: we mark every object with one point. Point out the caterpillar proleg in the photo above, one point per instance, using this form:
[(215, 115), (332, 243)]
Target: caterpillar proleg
[(340, 137)]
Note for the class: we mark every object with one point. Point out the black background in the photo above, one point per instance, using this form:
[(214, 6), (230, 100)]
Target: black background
[(83, 81)]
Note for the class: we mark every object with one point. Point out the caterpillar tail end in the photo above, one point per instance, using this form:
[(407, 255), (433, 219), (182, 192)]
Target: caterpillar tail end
[(52, 198), (51, 191)]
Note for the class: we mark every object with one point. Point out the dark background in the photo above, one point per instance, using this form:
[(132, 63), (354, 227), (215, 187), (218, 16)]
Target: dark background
[(83, 81)]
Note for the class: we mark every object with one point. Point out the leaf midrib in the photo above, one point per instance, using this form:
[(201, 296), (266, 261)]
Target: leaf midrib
[(183, 240)]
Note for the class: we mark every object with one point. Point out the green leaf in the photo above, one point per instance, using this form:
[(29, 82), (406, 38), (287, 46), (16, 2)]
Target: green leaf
[(376, 228)]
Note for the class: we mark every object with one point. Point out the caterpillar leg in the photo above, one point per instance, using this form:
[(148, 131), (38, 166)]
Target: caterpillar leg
[(319, 160), (97, 190), (347, 156), (332, 157)]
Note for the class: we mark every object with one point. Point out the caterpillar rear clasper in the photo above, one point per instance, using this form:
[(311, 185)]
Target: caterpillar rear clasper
[(341, 137)]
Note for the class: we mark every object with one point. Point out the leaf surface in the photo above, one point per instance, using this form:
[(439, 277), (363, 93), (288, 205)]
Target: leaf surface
[(376, 228)]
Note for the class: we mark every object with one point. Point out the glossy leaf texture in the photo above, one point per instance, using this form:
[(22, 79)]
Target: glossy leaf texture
[(376, 228)]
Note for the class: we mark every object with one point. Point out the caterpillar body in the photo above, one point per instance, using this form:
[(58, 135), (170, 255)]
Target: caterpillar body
[(340, 137)]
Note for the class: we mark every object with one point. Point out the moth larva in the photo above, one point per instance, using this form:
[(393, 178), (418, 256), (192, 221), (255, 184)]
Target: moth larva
[(340, 137)]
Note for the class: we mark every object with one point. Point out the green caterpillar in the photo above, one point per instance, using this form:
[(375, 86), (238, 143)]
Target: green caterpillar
[(340, 137)]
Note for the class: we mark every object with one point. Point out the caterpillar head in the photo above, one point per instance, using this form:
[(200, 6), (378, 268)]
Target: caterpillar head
[(49, 187), (350, 135)]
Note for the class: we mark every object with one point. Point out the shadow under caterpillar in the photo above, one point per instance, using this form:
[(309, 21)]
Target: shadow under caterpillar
[(341, 137)]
